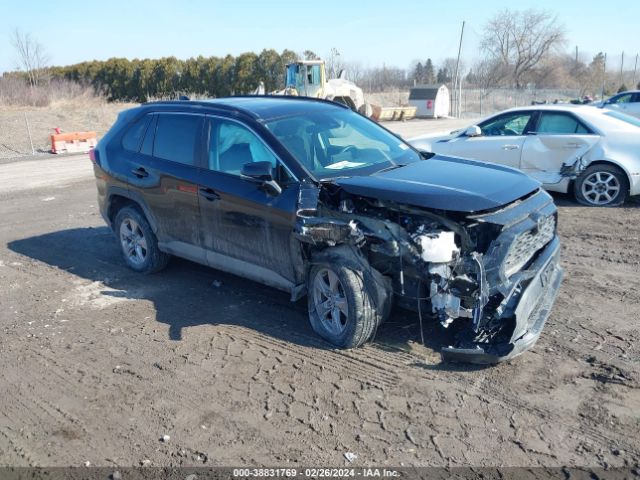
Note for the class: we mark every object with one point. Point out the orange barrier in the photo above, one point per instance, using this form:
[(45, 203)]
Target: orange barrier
[(74, 142)]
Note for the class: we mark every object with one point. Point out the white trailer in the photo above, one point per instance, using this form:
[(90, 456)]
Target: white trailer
[(431, 101)]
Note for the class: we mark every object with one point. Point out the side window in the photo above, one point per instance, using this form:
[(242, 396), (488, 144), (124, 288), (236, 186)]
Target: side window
[(508, 124), (560, 124), (176, 137), (132, 138), (626, 98), (231, 145)]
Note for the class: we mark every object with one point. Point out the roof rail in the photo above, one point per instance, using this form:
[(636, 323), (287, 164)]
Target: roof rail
[(292, 97)]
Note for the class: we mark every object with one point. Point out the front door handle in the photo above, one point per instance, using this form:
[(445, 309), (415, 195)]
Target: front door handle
[(510, 147), (140, 172), (209, 194), (572, 145)]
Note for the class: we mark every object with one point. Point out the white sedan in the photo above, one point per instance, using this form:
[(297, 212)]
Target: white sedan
[(592, 152), (626, 102)]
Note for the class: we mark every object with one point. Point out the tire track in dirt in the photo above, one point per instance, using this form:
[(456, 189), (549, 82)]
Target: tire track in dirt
[(17, 447), (318, 354)]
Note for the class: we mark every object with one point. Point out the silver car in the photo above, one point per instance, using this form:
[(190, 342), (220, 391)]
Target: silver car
[(626, 102), (590, 151)]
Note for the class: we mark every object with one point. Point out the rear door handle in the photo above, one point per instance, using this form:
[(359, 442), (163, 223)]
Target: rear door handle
[(140, 172), (510, 147), (208, 194), (572, 145)]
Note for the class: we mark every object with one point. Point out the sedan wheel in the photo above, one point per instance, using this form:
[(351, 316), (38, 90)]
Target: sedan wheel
[(602, 186)]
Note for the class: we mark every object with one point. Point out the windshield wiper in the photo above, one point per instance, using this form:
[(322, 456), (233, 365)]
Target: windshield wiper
[(392, 167)]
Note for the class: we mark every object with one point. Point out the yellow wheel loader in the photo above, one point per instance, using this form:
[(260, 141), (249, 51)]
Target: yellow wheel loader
[(308, 78)]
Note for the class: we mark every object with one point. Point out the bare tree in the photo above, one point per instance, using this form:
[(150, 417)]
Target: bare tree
[(32, 56), (335, 64), (487, 74), (521, 39), (354, 71), (310, 55)]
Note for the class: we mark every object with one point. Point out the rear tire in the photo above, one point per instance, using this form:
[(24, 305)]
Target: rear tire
[(602, 185), (138, 243)]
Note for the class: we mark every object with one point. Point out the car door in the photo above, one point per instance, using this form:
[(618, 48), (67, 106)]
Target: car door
[(501, 140), (245, 229), (166, 175), (558, 138)]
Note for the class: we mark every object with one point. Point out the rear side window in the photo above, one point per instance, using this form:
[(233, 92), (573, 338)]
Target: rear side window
[(176, 138), (560, 124), (133, 136)]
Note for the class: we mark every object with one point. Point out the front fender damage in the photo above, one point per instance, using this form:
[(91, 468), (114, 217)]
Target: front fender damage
[(449, 265)]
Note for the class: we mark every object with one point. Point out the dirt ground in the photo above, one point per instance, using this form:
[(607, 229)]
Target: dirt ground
[(97, 363)]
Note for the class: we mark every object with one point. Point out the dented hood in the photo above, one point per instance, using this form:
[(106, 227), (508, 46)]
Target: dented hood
[(445, 183)]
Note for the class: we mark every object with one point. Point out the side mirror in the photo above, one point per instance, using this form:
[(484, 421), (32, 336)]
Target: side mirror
[(473, 131), (262, 172)]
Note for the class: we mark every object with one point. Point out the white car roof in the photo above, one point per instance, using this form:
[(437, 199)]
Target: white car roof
[(596, 116)]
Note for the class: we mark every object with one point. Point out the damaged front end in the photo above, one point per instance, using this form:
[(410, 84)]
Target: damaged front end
[(493, 276)]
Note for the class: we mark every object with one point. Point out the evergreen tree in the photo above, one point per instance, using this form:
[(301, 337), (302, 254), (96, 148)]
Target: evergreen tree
[(429, 75), (418, 73)]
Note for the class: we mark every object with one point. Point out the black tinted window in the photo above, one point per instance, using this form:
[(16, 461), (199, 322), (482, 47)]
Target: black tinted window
[(133, 136), (176, 137)]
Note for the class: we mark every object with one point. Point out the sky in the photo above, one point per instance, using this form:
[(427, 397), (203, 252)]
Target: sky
[(372, 32)]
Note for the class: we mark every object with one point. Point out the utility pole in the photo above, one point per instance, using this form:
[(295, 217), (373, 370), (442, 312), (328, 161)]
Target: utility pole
[(621, 69), (455, 75), (604, 75), (635, 70), (576, 54)]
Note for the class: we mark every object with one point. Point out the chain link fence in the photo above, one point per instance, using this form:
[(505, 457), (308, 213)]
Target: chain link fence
[(479, 103)]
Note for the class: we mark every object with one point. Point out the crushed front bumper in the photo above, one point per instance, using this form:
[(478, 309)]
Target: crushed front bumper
[(531, 313)]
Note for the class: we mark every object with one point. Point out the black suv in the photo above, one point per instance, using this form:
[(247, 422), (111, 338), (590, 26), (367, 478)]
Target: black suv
[(312, 198)]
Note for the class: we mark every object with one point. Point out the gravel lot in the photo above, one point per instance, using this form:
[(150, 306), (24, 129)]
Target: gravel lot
[(97, 363)]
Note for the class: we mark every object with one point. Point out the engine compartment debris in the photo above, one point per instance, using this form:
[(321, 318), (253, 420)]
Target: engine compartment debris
[(493, 273)]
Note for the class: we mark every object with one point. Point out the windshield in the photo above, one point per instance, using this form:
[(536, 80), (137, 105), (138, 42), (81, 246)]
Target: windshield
[(624, 117), (340, 143)]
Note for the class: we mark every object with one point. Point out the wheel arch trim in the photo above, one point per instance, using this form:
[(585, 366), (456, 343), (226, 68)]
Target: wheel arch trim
[(115, 192)]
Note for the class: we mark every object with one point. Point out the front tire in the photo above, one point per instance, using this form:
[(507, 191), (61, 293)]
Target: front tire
[(602, 185), (138, 243), (341, 309)]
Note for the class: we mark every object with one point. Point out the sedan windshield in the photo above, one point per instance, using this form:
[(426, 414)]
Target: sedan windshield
[(340, 143)]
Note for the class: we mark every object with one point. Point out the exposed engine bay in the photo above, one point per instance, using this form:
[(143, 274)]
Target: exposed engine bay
[(492, 273)]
